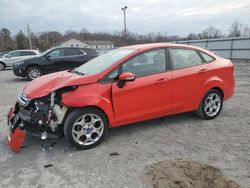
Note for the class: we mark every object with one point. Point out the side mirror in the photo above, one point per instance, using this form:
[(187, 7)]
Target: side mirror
[(125, 77)]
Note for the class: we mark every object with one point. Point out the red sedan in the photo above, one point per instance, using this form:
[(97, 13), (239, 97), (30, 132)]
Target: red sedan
[(126, 85)]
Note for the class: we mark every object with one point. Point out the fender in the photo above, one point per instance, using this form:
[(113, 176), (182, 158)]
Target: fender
[(91, 95), (214, 82)]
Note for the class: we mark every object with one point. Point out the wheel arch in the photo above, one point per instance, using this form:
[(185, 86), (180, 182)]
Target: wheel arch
[(215, 83), (91, 102), (3, 63), (71, 109), (220, 90), (33, 65)]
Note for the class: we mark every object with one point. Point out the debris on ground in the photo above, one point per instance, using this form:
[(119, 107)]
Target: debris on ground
[(48, 165), (114, 154), (185, 174), (46, 146)]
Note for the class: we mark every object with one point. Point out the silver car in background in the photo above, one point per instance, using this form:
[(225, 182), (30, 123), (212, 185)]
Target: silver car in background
[(18, 55)]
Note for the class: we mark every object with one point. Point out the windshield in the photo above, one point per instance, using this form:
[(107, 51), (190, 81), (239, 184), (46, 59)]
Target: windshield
[(42, 54), (102, 62)]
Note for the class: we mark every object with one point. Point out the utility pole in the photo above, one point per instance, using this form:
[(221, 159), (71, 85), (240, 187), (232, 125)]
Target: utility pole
[(29, 36), (125, 29)]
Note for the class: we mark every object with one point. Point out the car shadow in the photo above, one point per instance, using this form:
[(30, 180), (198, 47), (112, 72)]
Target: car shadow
[(150, 125), (52, 146)]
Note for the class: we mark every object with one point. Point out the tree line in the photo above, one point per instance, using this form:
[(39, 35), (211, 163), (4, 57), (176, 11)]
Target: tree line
[(46, 40)]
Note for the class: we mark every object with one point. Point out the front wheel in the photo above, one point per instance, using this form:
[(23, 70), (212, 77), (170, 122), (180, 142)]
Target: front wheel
[(85, 128), (33, 72), (211, 105), (2, 66)]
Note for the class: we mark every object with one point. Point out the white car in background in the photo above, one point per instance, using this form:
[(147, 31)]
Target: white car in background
[(18, 55)]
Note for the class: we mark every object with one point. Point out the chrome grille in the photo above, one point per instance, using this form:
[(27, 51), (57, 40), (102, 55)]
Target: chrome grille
[(23, 99)]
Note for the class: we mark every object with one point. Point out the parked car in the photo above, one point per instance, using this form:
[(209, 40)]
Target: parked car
[(123, 86), (53, 60), (8, 59)]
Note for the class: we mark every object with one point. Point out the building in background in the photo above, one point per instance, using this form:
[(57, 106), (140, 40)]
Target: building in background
[(99, 45)]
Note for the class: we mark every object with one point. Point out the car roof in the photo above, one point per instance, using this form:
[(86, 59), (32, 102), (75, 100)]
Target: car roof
[(149, 46), (160, 45), (23, 50)]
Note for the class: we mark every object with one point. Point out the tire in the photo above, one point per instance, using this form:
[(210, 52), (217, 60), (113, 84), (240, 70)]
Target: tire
[(80, 132), (211, 105), (2, 66), (33, 72)]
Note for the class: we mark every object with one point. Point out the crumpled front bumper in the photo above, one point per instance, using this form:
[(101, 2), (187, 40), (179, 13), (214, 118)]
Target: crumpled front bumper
[(16, 135)]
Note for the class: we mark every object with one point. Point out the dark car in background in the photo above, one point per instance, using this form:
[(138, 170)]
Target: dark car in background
[(53, 60)]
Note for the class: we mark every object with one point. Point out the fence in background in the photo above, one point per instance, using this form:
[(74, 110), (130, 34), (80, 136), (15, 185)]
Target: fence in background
[(237, 48)]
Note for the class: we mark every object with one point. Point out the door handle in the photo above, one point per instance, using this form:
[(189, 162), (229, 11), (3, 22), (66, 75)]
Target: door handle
[(161, 80), (202, 71)]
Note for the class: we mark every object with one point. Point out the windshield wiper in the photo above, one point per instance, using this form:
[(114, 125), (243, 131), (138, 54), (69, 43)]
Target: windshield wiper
[(77, 72)]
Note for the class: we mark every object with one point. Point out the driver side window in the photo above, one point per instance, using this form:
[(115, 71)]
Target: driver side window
[(56, 53), (14, 54), (145, 64)]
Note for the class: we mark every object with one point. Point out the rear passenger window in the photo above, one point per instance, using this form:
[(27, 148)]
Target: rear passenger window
[(72, 52), (206, 57), (26, 53), (183, 58)]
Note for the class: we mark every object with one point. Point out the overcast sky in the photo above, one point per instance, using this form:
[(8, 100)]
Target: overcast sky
[(176, 17)]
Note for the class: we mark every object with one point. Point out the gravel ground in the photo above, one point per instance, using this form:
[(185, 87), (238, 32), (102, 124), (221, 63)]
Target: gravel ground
[(223, 143)]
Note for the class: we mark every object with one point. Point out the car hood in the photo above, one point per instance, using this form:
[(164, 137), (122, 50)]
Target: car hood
[(44, 85)]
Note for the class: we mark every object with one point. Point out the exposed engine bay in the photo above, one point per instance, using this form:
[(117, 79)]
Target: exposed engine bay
[(39, 116)]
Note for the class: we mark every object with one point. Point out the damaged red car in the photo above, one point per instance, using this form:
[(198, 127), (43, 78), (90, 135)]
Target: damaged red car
[(125, 85)]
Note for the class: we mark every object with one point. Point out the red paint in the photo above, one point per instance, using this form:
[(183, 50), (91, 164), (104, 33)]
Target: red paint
[(16, 139), (148, 97), (42, 86), (127, 76)]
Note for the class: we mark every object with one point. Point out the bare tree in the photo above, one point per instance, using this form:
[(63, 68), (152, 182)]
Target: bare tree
[(6, 42), (246, 31), (210, 32), (235, 29)]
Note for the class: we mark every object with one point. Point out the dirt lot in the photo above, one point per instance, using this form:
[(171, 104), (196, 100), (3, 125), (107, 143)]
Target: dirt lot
[(223, 143)]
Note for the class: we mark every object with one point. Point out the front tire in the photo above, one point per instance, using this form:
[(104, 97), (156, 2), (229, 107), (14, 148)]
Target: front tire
[(2, 66), (211, 105), (85, 128), (33, 73)]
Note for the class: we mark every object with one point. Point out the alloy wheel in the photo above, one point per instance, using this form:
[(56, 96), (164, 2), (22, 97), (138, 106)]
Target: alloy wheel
[(34, 73), (212, 104), (88, 129), (2, 66)]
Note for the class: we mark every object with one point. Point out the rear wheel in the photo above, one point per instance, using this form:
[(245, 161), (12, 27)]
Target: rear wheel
[(85, 128), (33, 72), (211, 105), (2, 66)]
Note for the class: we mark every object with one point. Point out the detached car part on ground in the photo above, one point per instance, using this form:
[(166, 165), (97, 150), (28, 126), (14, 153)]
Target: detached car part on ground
[(123, 86)]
